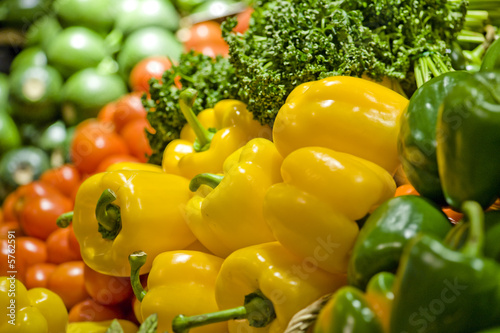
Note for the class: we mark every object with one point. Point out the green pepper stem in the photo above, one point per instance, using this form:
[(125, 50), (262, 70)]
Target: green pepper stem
[(186, 101), (257, 309), (136, 261), (108, 215), (64, 220), (209, 179), (475, 239)]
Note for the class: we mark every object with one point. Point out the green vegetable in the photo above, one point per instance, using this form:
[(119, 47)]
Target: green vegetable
[(292, 42), (137, 14), (97, 15), (417, 137), (213, 79), (491, 60), (22, 165), (34, 93), (9, 134), (43, 31), (4, 91), (21, 13), (386, 232), (31, 56), (440, 289), (145, 42), (87, 91), (467, 147), (76, 48)]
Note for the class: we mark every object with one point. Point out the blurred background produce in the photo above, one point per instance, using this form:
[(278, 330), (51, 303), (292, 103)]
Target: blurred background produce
[(63, 61)]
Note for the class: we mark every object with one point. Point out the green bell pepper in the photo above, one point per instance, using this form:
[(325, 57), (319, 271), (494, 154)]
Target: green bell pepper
[(351, 310), (386, 232), (417, 137), (467, 147), (439, 289), (491, 59)]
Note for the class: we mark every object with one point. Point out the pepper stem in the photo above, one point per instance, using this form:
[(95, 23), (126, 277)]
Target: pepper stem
[(209, 179), (64, 220), (203, 136), (257, 309), (108, 215), (137, 260), (475, 239)]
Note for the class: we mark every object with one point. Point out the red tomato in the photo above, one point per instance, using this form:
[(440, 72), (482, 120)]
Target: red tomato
[(107, 112), (144, 70), (37, 275), (39, 215), (134, 134), (67, 281), (107, 289), (8, 211), (243, 20), (208, 32), (12, 226), (58, 249), (90, 310), (212, 49), (24, 252), (128, 108), (108, 161), (64, 178), (93, 141), (72, 240)]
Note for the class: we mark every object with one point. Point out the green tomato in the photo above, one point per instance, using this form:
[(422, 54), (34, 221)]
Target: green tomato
[(21, 13), (30, 57), (136, 14), (42, 32), (214, 8), (97, 15), (87, 91), (146, 42), (9, 134), (34, 93), (76, 48), (4, 92), (22, 165)]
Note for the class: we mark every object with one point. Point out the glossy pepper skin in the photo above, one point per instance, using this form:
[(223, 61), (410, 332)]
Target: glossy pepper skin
[(491, 59), (467, 150), (37, 310), (232, 211), (100, 326), (201, 150), (387, 231), (313, 211), (342, 113), (286, 280), (440, 289), (146, 213), (351, 310), (417, 137), (181, 282)]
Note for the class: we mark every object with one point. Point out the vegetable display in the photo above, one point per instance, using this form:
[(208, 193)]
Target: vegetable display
[(317, 166)]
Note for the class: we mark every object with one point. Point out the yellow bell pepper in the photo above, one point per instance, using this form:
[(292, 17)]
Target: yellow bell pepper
[(261, 287), (134, 166), (313, 211), (200, 150), (229, 216), (343, 113), (37, 310), (179, 282), (119, 212), (100, 326)]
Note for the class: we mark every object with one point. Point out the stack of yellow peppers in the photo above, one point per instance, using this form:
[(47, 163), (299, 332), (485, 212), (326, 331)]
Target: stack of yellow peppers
[(253, 222)]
